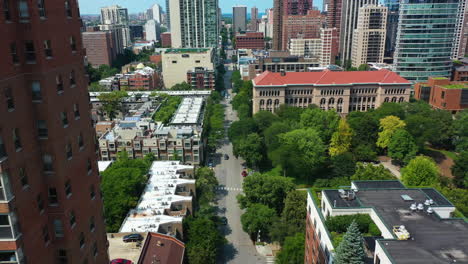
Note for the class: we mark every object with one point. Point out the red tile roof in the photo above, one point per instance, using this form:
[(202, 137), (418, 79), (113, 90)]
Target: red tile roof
[(328, 77)]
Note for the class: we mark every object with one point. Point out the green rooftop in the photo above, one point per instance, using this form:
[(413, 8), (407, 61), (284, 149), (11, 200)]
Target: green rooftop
[(456, 86), (187, 50), (439, 78)]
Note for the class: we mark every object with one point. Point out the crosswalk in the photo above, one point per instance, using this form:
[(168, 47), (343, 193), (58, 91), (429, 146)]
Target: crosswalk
[(270, 259), (224, 188)]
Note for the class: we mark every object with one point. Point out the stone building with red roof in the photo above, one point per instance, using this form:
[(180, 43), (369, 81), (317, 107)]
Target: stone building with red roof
[(342, 91)]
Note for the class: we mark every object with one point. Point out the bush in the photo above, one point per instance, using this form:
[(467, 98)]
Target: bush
[(340, 223)]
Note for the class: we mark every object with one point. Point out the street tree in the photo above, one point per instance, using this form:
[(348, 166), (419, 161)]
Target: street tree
[(388, 126), (341, 139), (295, 211), (242, 128), (257, 220), (251, 149), (351, 250), (402, 147), (293, 250), (371, 172), (460, 170), (264, 119), (183, 86), (205, 185), (204, 240), (420, 171)]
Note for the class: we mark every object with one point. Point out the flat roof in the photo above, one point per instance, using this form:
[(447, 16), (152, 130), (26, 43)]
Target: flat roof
[(327, 77), (188, 50), (378, 184), (164, 249), (433, 239), (189, 111)]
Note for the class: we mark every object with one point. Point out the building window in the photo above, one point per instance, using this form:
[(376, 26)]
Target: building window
[(23, 9), (58, 228), (23, 177), (6, 10), (10, 101), (76, 111), (48, 165), (92, 225), (68, 188), (62, 256), (72, 78), (5, 228), (82, 240), (442, 95), (16, 139), (3, 153), (41, 8), (92, 193), (63, 117), (36, 91), (53, 198), (59, 82), (73, 43), (30, 52), (80, 141), (72, 219), (68, 10), (14, 52), (68, 151), (8, 257), (40, 203), (95, 249), (90, 167), (47, 48), (42, 129), (45, 234)]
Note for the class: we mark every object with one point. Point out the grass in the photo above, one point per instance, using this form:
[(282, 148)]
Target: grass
[(455, 86), (439, 78), (447, 153)]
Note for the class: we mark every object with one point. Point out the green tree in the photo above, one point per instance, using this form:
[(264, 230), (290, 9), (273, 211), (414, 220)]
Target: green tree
[(183, 86), (343, 165), (371, 172), (271, 134), (363, 67), (325, 122), (421, 171), (402, 147), (292, 251), (388, 126), (167, 109), (268, 190), (351, 250), (242, 128), (205, 185), (257, 219), (460, 170), (289, 114), (251, 149), (111, 102), (301, 152), (204, 240), (460, 125), (292, 217), (389, 109), (365, 152), (341, 139), (264, 119)]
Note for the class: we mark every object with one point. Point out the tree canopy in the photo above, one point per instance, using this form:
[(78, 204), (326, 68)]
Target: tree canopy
[(258, 218), (351, 249), (341, 139), (204, 240), (369, 171), (325, 122), (250, 148), (388, 126), (402, 147), (460, 170), (292, 250), (111, 102), (420, 171)]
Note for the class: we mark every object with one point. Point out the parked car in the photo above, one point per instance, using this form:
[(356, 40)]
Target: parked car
[(132, 238), (121, 261), (244, 173), (226, 156)]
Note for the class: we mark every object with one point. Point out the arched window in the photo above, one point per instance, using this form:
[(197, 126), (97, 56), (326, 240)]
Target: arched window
[(269, 102), (262, 102), (401, 100), (386, 99), (340, 101), (394, 99), (323, 101), (331, 101), (277, 102)]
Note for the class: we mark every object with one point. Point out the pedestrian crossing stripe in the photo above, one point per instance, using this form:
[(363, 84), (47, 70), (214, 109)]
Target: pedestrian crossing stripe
[(223, 188)]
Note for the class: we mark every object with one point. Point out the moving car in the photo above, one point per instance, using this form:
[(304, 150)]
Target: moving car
[(244, 173), (132, 238), (121, 261)]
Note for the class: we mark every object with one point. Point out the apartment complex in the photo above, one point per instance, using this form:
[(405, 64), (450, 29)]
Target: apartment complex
[(201, 78), (302, 26), (423, 50), (99, 47), (51, 208), (141, 79), (333, 14), (194, 23), (343, 91), (177, 62), (152, 30), (324, 49), (166, 41), (250, 40), (282, 8), (239, 18), (443, 94), (416, 224), (369, 36)]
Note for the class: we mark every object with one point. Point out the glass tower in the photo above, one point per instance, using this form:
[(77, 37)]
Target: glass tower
[(425, 38), (392, 26)]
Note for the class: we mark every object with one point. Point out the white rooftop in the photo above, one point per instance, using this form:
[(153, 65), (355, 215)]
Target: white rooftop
[(189, 111), (103, 165), (158, 195)]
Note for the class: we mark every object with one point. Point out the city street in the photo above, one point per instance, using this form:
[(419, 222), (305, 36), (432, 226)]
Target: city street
[(239, 248)]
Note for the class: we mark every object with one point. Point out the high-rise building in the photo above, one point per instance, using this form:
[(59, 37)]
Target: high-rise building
[(424, 47), (156, 13), (194, 23), (152, 30), (323, 49), (392, 26), (349, 18), (333, 14), (302, 26), (282, 8), (51, 207), (136, 32), (168, 15), (461, 31), (239, 18), (114, 15), (99, 47), (254, 19), (369, 36)]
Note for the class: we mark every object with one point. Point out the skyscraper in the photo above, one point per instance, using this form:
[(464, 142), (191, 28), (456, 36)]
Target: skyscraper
[(156, 13), (369, 35), (424, 47), (115, 18), (392, 26), (461, 31), (239, 18), (51, 207), (194, 23), (333, 14), (168, 15), (302, 26), (254, 19), (282, 8), (349, 18), (152, 30)]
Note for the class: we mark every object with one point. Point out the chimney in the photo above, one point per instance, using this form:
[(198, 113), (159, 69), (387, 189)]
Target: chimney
[(283, 72)]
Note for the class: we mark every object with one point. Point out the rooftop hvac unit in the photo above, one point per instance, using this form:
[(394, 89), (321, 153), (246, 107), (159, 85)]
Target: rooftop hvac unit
[(401, 232), (413, 207), (430, 210), (420, 207)]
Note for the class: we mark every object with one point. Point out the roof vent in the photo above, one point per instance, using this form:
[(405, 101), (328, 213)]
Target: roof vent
[(413, 207), (420, 207), (430, 210), (283, 72)]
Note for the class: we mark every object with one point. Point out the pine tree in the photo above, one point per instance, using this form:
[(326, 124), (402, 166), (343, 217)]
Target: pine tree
[(350, 250)]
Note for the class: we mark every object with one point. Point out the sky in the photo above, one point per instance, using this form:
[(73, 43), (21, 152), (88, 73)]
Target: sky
[(135, 6)]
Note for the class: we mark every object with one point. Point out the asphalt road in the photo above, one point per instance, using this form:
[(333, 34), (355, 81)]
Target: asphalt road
[(239, 249)]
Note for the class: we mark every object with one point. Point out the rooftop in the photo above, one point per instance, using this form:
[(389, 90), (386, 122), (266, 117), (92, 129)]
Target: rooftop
[(103, 165), (327, 77), (189, 111), (166, 250), (456, 86), (434, 237), (180, 51)]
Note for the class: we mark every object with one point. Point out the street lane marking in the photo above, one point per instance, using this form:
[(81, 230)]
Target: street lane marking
[(223, 188)]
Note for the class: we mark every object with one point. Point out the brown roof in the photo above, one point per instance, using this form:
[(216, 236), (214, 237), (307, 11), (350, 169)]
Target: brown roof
[(163, 248)]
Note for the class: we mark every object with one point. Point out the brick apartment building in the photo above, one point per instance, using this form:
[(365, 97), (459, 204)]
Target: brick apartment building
[(99, 47), (50, 206), (460, 74), (166, 40), (201, 78), (304, 26), (250, 40), (416, 224), (443, 94), (281, 9), (343, 91)]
